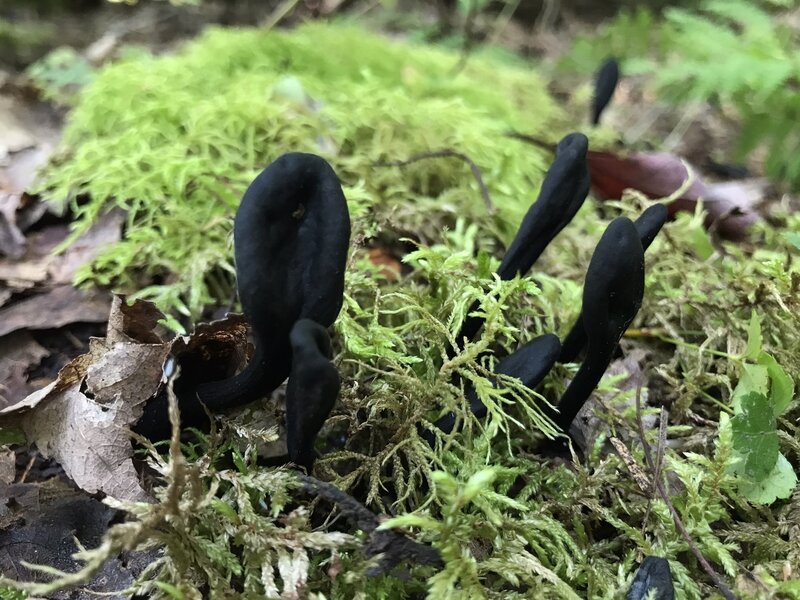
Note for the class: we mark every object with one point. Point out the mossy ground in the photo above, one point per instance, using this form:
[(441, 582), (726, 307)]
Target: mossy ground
[(175, 140)]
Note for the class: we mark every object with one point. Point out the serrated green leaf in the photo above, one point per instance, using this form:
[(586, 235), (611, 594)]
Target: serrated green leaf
[(755, 436), (779, 483), (754, 339), (781, 386)]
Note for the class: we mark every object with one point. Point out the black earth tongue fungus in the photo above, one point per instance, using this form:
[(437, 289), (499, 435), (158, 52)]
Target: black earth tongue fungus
[(654, 576), (564, 189), (311, 392), (605, 82), (529, 363), (291, 237), (612, 295), (647, 225)]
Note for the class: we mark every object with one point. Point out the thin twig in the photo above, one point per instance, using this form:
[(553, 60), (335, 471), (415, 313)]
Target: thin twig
[(718, 582), (529, 139), (280, 12), (469, 24), (445, 153)]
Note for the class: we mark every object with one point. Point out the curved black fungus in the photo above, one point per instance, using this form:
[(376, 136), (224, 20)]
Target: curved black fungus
[(311, 392), (564, 189), (612, 295), (654, 575), (605, 82), (647, 225), (529, 363), (291, 237)]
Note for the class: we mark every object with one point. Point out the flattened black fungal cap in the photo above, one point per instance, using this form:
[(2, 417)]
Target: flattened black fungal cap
[(612, 295), (529, 363), (653, 575), (311, 392), (564, 189), (291, 236), (605, 82), (647, 225)]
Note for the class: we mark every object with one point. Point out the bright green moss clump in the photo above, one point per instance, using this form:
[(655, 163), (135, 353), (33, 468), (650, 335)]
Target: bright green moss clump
[(175, 140)]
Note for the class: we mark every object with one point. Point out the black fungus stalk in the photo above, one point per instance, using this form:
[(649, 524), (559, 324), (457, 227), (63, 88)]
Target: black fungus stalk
[(612, 295), (564, 189), (291, 237), (311, 392), (605, 83), (647, 225)]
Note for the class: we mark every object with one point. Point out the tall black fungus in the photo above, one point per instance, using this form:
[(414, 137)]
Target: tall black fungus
[(605, 83), (564, 189), (647, 225), (529, 363), (612, 295), (291, 237), (654, 575), (312, 389)]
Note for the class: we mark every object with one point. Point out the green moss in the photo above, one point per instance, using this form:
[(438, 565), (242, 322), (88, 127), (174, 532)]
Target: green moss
[(176, 139)]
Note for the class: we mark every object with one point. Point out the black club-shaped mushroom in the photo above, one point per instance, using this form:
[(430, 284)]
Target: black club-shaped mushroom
[(311, 391), (654, 575), (605, 83), (529, 363), (563, 191), (612, 295), (647, 225), (291, 236)]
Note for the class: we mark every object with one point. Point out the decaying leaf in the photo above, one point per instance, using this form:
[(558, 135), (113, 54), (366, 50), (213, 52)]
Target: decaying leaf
[(18, 353), (730, 206), (82, 419), (58, 307)]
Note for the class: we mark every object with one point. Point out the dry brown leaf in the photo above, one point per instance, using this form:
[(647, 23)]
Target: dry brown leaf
[(82, 419), (18, 353), (8, 466), (28, 135), (58, 307)]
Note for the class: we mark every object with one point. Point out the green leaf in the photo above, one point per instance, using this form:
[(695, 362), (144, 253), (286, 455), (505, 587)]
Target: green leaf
[(793, 237), (755, 436), (754, 339), (781, 386), (755, 378), (780, 483)]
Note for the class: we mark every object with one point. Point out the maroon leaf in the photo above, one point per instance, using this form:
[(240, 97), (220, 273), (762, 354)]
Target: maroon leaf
[(730, 205)]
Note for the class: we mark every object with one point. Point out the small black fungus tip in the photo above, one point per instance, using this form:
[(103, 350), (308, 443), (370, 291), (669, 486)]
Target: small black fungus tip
[(612, 294), (311, 391), (654, 575), (605, 82), (291, 237), (650, 223)]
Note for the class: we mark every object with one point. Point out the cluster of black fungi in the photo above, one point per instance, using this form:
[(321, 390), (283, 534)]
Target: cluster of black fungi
[(291, 239)]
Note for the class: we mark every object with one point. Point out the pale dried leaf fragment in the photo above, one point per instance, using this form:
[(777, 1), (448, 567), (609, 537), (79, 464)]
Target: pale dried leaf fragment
[(83, 418)]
